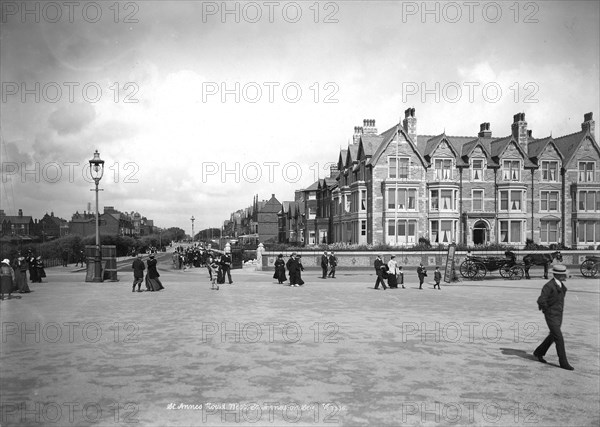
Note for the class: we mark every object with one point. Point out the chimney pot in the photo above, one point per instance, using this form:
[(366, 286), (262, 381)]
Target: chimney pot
[(588, 124)]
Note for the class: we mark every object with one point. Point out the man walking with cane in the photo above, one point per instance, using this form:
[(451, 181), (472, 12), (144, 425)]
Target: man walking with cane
[(551, 302)]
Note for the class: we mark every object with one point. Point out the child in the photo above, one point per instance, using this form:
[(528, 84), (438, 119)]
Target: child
[(400, 276), (437, 276), (214, 269)]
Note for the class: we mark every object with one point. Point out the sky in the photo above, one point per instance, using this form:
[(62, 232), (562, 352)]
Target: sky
[(196, 107)]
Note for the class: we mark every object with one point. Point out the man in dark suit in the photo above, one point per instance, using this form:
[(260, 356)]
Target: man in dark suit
[(324, 263), (332, 265), (227, 267), (138, 272), (551, 302), (293, 268), (379, 271)]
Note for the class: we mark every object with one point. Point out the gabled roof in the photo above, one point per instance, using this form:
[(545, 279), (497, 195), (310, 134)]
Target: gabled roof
[(312, 187), (16, 219), (351, 155), (330, 182), (537, 146), (342, 158), (568, 144), (453, 142), (368, 144), (388, 137), (498, 146)]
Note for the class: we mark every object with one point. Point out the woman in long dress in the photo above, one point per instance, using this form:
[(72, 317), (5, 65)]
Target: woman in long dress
[(392, 273), (7, 279), (21, 268), (152, 277), (39, 265), (280, 269)]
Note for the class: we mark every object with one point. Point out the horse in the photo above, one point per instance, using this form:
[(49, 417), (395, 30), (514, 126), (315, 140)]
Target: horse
[(540, 259)]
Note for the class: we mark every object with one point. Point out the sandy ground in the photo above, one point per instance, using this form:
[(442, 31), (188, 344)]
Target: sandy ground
[(333, 352)]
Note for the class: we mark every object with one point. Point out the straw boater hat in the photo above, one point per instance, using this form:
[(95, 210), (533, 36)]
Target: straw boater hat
[(559, 269), (5, 261)]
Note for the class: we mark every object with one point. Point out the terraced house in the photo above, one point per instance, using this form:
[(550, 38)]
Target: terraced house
[(397, 186)]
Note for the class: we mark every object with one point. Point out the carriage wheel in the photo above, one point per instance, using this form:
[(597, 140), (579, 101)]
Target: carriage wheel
[(468, 269), (516, 272), (589, 268), (481, 271), (505, 271)]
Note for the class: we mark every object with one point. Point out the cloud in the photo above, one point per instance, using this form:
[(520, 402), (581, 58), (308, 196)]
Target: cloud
[(72, 118)]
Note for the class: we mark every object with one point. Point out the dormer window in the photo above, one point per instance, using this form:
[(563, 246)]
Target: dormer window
[(511, 170), (550, 170), (477, 170), (586, 171), (443, 169)]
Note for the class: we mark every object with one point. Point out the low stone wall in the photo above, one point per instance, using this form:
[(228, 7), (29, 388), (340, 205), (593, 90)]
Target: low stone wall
[(411, 259)]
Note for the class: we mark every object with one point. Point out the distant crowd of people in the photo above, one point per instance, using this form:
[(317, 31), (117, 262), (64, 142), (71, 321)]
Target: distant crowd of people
[(13, 275), (217, 264)]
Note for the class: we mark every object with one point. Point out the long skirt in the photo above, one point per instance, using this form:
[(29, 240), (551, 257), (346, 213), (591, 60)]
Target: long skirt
[(280, 275), (6, 285), (154, 284), (392, 281), (21, 282)]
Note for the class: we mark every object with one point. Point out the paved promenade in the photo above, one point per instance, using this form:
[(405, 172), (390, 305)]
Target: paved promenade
[(333, 352)]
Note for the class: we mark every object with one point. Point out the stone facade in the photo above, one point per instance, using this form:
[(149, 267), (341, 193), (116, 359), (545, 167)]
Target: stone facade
[(397, 186)]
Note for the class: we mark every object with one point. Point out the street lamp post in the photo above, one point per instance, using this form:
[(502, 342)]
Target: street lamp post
[(192, 219), (97, 170)]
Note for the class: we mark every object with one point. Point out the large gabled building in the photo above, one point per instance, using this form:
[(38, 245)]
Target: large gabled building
[(398, 186)]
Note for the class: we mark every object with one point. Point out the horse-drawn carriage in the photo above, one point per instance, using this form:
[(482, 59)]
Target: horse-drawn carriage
[(476, 267), (591, 266)]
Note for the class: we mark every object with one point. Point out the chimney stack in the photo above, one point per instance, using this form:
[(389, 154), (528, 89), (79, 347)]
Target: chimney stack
[(484, 131), (369, 126), (358, 131), (333, 171), (519, 130), (20, 212), (588, 124), (410, 124)]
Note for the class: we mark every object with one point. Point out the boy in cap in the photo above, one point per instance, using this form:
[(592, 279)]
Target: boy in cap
[(551, 303)]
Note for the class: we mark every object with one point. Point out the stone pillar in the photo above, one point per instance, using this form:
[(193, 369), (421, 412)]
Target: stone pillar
[(259, 252)]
